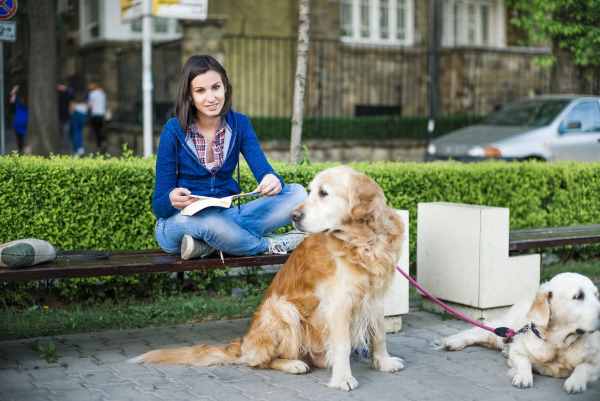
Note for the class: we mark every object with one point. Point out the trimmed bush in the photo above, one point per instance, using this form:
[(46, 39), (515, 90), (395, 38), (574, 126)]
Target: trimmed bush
[(374, 128), (95, 203)]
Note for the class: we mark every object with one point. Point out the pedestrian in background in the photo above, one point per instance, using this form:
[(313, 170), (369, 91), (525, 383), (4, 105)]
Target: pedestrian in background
[(78, 118), (97, 112), (65, 96), (20, 117)]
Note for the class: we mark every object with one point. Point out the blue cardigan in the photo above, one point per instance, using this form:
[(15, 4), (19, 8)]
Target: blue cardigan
[(177, 166)]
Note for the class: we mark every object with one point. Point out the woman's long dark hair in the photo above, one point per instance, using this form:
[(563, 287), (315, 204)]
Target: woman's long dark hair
[(194, 66)]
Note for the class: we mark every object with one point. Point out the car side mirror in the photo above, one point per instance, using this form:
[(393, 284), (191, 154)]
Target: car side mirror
[(566, 126)]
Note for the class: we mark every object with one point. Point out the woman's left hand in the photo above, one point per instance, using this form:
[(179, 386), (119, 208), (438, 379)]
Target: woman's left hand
[(269, 185)]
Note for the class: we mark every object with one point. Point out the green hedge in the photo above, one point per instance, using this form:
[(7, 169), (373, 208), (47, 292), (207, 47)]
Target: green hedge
[(105, 203), (360, 128), (93, 203)]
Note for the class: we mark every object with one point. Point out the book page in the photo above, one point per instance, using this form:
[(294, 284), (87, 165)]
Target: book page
[(206, 201), (203, 202)]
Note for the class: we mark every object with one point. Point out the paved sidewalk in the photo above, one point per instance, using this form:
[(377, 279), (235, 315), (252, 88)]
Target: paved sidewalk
[(92, 367)]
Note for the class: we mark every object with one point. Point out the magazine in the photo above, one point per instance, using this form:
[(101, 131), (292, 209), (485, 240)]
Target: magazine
[(206, 201)]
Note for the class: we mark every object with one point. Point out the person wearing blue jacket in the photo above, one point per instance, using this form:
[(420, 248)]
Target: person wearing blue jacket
[(198, 153), (20, 118)]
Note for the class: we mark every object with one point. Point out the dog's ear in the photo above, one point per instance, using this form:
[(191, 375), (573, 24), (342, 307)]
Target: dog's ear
[(540, 309), (365, 198)]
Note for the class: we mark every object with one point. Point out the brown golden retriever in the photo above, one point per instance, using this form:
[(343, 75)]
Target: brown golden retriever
[(328, 297)]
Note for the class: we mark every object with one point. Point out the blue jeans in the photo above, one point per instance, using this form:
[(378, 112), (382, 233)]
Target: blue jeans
[(77, 122), (233, 231)]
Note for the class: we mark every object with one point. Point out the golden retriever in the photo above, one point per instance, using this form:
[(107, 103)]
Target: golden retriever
[(328, 297), (565, 313)]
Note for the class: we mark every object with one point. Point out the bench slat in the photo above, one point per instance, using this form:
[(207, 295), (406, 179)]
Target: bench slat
[(74, 264), (125, 263), (522, 240)]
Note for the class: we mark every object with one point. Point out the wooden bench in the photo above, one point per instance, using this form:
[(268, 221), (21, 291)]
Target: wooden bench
[(550, 237), (72, 264)]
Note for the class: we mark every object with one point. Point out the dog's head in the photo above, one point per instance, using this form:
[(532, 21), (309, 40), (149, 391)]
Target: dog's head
[(568, 301), (338, 197)]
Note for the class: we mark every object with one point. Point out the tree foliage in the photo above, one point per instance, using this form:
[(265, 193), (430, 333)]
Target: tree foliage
[(569, 24)]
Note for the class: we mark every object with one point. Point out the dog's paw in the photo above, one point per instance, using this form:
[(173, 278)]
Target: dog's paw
[(345, 383), (452, 343), (297, 367), (575, 384), (522, 380), (388, 364)]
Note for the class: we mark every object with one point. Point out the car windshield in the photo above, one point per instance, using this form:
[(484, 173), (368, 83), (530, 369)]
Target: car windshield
[(531, 113)]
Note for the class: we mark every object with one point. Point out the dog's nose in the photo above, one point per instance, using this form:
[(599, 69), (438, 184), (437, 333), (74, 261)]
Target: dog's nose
[(297, 216)]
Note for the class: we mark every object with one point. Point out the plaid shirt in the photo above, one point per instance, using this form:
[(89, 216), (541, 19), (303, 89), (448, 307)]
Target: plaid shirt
[(202, 148)]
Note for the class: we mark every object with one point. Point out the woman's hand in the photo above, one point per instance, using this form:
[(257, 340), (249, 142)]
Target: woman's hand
[(180, 199), (269, 185)]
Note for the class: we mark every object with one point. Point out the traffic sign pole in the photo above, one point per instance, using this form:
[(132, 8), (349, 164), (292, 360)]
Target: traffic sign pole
[(8, 31), (2, 129)]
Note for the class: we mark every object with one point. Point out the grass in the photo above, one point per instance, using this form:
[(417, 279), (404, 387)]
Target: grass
[(38, 321), (589, 268), (179, 309)]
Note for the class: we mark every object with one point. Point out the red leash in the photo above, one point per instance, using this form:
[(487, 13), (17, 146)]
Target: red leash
[(505, 332)]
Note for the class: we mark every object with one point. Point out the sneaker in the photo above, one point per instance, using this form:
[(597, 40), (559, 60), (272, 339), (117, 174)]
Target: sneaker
[(284, 243), (192, 248)]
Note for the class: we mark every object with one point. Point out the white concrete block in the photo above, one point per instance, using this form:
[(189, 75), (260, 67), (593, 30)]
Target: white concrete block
[(462, 256), (396, 299)]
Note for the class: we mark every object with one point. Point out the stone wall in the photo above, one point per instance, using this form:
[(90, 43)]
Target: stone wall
[(477, 80), (318, 151), (351, 151)]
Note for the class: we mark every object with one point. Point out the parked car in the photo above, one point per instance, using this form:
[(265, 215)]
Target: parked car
[(551, 127)]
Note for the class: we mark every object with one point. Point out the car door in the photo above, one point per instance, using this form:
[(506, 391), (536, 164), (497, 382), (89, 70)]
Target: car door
[(579, 133)]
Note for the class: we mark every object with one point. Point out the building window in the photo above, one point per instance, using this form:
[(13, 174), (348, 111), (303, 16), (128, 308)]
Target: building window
[(91, 18), (473, 23), (386, 22)]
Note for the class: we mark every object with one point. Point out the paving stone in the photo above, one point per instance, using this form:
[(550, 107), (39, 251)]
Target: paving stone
[(93, 367), (32, 395)]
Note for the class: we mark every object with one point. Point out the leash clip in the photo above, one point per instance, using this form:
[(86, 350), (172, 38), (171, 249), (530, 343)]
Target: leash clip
[(528, 327)]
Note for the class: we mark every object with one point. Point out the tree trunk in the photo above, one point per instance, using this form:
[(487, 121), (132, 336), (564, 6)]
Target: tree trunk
[(300, 79), (43, 134)]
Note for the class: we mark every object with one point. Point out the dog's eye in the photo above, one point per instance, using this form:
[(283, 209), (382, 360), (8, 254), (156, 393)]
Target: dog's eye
[(322, 193), (580, 296)]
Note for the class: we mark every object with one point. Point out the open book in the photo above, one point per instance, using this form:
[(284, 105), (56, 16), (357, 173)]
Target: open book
[(206, 201)]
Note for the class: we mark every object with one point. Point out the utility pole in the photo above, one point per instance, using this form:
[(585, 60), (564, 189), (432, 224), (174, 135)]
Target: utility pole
[(433, 59)]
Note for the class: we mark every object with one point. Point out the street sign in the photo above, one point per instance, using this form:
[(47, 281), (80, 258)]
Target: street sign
[(180, 9), (8, 9), (8, 31)]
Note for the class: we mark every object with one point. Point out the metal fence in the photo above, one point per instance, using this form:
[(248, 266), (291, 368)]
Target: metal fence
[(354, 82)]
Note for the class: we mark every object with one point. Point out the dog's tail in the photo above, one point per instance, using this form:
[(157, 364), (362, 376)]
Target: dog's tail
[(197, 355)]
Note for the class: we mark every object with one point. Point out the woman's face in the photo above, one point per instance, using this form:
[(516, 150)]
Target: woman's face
[(208, 94)]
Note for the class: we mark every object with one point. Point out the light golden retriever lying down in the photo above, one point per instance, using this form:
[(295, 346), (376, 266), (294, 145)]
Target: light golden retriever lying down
[(328, 297), (566, 313)]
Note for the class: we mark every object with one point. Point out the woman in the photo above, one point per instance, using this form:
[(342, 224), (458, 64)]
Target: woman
[(198, 152)]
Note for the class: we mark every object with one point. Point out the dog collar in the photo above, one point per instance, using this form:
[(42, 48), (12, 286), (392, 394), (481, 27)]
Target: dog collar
[(533, 328)]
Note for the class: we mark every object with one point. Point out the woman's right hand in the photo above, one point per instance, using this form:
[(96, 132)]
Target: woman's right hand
[(180, 198)]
